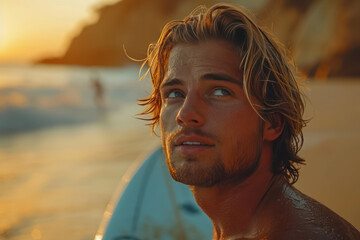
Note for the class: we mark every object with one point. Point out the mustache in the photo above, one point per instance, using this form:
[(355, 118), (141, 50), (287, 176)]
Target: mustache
[(191, 131)]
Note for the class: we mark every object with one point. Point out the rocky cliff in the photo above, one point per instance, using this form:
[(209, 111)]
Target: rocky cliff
[(323, 35), (127, 24)]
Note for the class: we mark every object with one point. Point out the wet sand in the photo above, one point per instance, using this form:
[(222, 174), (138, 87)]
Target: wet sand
[(55, 184)]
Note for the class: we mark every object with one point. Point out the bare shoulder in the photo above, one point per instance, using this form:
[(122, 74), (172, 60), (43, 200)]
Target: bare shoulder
[(298, 216)]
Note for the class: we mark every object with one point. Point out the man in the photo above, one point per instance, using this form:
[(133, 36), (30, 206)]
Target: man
[(230, 113)]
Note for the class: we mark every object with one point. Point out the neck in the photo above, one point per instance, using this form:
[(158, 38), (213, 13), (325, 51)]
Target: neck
[(234, 208)]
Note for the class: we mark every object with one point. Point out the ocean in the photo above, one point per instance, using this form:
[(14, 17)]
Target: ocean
[(68, 134)]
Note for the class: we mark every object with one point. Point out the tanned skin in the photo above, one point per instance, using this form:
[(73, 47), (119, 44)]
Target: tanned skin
[(216, 143)]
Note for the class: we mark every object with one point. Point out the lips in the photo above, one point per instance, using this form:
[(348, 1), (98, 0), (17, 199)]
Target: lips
[(193, 140), (193, 144)]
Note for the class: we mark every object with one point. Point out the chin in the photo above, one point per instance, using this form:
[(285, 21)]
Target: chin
[(192, 172)]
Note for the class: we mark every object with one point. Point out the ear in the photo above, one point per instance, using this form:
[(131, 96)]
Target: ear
[(273, 128)]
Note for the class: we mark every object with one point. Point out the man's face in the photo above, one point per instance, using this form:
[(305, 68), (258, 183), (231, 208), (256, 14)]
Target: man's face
[(209, 131)]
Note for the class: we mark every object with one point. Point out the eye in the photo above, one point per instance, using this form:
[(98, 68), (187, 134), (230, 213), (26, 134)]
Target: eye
[(221, 92), (175, 94)]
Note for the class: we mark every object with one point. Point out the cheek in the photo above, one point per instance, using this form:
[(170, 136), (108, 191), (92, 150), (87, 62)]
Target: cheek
[(162, 124), (227, 118), (164, 118), (162, 121), (237, 125), (167, 119)]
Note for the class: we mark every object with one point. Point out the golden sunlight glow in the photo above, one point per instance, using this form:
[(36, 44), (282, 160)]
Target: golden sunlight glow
[(41, 28), (0, 31)]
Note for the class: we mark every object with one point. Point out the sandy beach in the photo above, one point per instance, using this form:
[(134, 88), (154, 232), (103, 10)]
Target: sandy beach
[(56, 183), (331, 147)]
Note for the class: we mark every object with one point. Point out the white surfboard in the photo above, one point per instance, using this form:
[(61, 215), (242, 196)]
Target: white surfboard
[(153, 206)]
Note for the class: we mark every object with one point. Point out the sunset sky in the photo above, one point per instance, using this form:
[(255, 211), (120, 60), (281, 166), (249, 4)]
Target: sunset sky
[(31, 29)]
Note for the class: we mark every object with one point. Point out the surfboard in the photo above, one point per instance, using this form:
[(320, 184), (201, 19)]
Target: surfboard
[(149, 204)]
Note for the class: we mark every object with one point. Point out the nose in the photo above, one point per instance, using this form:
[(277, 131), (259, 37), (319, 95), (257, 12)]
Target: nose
[(191, 112)]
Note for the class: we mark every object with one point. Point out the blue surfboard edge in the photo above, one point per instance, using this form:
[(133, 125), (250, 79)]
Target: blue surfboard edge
[(149, 204), (125, 180)]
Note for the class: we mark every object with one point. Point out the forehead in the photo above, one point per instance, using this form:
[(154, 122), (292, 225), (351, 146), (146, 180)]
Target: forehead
[(210, 56)]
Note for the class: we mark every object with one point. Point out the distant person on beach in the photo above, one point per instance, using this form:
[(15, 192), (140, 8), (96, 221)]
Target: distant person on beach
[(98, 91), (230, 112)]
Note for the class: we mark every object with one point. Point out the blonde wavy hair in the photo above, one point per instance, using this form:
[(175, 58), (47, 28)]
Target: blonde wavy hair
[(268, 74)]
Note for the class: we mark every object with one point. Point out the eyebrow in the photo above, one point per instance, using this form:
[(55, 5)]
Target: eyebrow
[(209, 76), (171, 82), (221, 77)]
